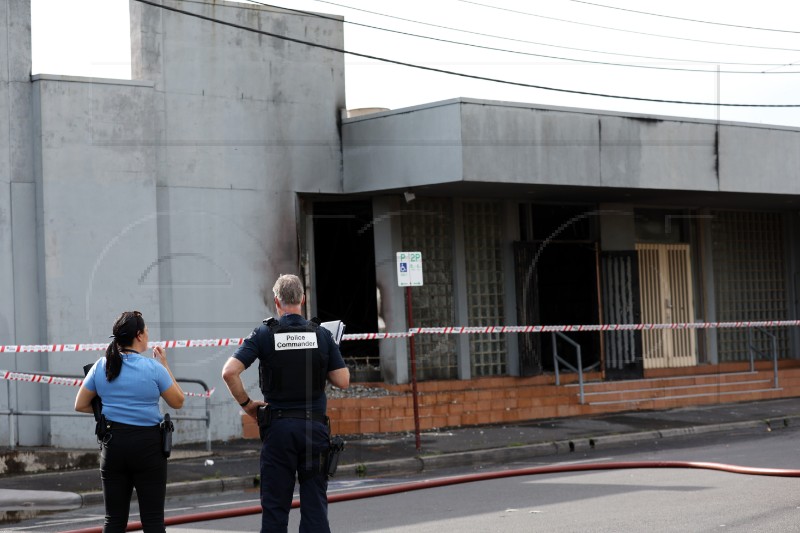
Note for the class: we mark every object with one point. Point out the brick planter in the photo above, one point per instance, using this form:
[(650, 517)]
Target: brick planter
[(508, 400)]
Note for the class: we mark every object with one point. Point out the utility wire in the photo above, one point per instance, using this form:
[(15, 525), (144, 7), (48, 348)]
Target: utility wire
[(618, 29), (682, 18), (606, 63), (449, 72)]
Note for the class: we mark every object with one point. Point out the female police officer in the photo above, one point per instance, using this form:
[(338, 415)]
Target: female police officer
[(296, 358), (129, 385)]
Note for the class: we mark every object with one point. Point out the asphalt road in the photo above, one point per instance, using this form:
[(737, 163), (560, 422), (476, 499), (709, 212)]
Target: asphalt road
[(653, 500)]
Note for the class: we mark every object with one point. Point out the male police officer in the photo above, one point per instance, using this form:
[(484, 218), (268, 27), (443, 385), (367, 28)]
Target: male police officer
[(295, 358)]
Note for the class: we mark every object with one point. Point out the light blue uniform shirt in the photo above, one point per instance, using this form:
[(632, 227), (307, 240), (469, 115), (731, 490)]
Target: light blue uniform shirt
[(132, 398)]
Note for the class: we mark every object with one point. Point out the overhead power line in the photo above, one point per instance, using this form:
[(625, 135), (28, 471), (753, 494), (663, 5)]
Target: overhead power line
[(531, 54), (682, 18), (449, 72), (619, 29)]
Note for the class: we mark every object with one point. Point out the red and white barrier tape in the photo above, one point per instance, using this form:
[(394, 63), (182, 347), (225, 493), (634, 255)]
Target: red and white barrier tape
[(370, 336), (70, 382), (194, 343), (101, 347), (602, 327), (449, 330)]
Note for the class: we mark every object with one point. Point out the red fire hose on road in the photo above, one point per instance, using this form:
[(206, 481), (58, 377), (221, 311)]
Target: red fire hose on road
[(455, 480)]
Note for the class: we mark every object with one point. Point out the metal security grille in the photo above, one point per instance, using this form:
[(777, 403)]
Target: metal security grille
[(530, 345), (749, 278), (427, 227), (665, 281), (621, 306), (483, 238)]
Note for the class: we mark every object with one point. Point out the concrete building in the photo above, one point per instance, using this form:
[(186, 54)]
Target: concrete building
[(541, 215), (229, 159), (174, 193)]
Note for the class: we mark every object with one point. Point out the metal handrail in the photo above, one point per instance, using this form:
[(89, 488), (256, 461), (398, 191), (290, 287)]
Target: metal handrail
[(11, 412), (557, 358), (753, 350), (207, 418)]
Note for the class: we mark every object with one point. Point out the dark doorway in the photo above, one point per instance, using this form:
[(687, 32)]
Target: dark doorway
[(561, 281), (567, 295), (344, 253), (557, 281)]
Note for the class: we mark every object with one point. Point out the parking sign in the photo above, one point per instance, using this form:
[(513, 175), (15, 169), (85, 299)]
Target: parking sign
[(409, 269)]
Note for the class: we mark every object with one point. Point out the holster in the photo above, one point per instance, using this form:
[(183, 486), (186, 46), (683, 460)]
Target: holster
[(167, 427), (101, 428), (263, 419), (335, 449)]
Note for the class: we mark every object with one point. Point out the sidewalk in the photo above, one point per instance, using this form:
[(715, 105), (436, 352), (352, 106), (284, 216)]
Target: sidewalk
[(234, 465)]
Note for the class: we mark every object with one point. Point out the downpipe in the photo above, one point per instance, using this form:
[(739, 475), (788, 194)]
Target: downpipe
[(469, 478)]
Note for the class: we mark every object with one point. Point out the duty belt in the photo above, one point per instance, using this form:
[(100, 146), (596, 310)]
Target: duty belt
[(119, 425), (277, 414)]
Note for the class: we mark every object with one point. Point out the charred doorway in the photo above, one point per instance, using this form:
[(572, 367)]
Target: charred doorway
[(344, 253), (557, 277)]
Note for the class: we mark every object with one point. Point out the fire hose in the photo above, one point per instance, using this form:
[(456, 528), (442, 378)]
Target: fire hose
[(469, 478)]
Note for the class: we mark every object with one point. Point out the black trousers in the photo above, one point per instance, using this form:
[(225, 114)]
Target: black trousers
[(293, 447), (132, 458)]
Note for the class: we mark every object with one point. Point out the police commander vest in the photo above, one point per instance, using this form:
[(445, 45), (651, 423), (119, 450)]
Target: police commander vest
[(295, 368)]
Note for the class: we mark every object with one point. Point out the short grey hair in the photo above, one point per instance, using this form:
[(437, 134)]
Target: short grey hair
[(288, 289)]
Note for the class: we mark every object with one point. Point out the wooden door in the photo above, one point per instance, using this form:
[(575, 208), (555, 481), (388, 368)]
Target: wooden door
[(665, 279)]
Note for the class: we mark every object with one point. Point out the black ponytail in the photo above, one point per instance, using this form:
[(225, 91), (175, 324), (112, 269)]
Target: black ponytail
[(126, 328), (113, 361)]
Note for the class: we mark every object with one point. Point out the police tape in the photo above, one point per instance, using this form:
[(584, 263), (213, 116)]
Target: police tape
[(442, 330), (97, 346), (194, 343), (70, 382), (369, 336), (455, 330)]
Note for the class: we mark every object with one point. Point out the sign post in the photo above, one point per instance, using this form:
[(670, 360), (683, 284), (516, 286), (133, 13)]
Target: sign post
[(409, 274)]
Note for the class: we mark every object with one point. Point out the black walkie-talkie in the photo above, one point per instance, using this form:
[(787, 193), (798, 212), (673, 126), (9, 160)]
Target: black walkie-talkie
[(167, 427), (97, 403), (100, 426)]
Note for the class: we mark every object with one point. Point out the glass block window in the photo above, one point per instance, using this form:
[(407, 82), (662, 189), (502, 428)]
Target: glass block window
[(427, 227), (483, 239), (749, 279)]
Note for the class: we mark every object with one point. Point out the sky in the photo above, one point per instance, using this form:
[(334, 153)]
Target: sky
[(740, 52)]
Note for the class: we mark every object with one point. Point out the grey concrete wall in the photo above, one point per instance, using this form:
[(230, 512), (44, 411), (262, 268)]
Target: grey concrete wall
[(95, 181), (230, 99), (388, 241), (657, 154), (9, 171), (754, 159), (243, 122), (175, 195), (508, 143), (18, 274), (391, 150)]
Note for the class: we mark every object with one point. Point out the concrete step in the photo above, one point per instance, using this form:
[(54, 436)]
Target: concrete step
[(736, 386), (673, 381), (678, 390), (677, 400), (744, 394)]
